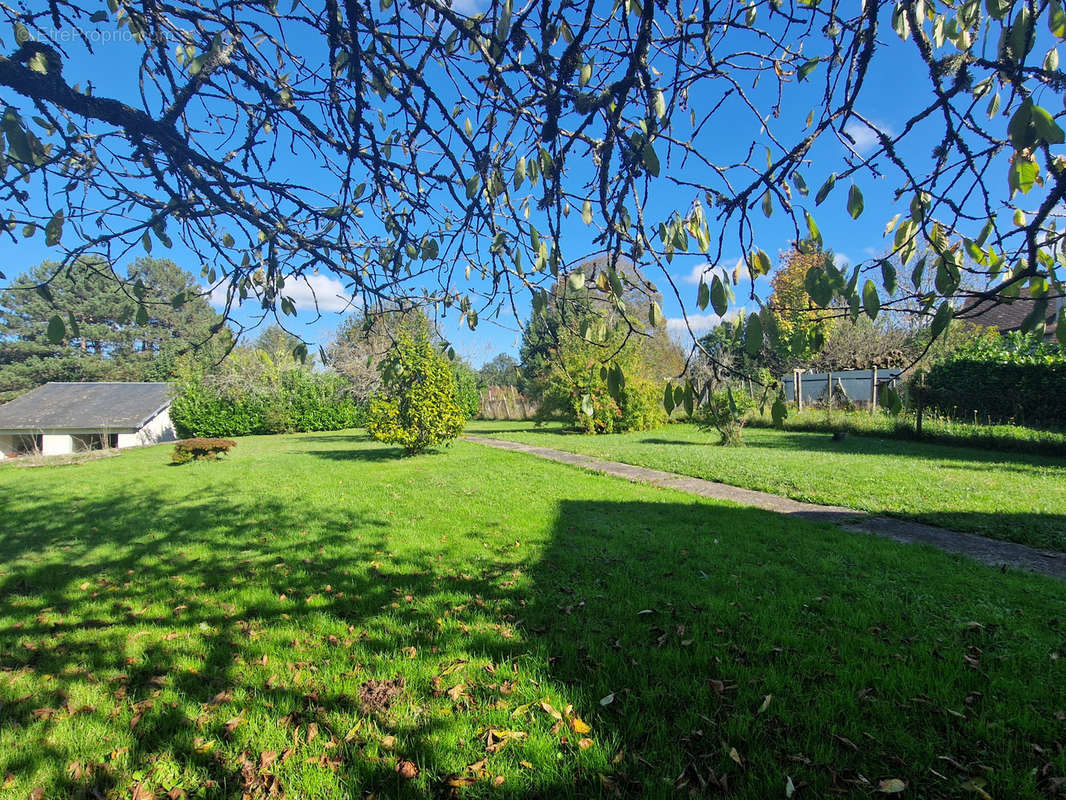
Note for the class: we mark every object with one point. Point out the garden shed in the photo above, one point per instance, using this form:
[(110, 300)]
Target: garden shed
[(62, 418)]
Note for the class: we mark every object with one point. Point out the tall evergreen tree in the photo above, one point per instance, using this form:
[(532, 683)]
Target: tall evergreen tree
[(105, 335)]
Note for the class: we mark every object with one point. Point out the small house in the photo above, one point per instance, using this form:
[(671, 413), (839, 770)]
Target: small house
[(63, 418)]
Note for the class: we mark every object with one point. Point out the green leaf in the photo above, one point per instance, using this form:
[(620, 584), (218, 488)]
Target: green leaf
[(655, 315), (888, 277), (767, 204), (1023, 174), (687, 399), (651, 160), (807, 68), (719, 299), (576, 281), (300, 352), (1020, 129), (942, 318), (997, 9), (142, 314), (472, 184), (659, 104), (73, 324), (812, 228), (56, 329), (855, 202), (1056, 19), (827, 187), (53, 231), (871, 303), (615, 381), (762, 262), (668, 396), (519, 172), (753, 335), (703, 296), (586, 405), (1046, 127), (779, 411), (586, 212)]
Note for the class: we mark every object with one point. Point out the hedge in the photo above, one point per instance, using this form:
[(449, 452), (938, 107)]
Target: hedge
[(299, 402), (1019, 379)]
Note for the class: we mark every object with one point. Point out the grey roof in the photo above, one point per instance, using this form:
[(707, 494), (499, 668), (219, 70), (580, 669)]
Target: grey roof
[(93, 406), (1008, 315)]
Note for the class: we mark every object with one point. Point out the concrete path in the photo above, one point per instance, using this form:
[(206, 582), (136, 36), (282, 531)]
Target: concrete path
[(988, 551)]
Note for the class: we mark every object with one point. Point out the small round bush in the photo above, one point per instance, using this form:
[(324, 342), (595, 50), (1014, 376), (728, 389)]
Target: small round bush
[(416, 407)]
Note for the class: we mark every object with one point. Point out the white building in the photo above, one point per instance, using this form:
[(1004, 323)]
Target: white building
[(61, 418)]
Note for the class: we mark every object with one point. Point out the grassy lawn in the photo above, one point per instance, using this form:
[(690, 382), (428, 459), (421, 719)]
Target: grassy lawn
[(318, 618), (1010, 496)]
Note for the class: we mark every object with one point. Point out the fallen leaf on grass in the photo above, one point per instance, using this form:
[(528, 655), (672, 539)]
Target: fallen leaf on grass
[(790, 787), (550, 709), (526, 764), (388, 742), (891, 786), (765, 703), (220, 698), (579, 726), (142, 792), (733, 754), (498, 780), (977, 786), (585, 743), (202, 746), (606, 701), (233, 723), (407, 770)]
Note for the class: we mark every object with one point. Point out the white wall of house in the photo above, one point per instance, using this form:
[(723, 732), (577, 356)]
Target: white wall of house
[(57, 444), (157, 430)]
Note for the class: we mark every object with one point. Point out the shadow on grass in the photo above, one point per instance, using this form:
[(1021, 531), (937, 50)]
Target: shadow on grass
[(681, 632)]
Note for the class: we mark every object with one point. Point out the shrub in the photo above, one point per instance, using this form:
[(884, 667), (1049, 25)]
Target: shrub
[(296, 400), (200, 449), (467, 389), (416, 407), (726, 413), (1013, 378), (596, 397), (642, 405)]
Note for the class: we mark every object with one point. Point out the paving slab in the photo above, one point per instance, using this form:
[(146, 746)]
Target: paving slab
[(980, 548)]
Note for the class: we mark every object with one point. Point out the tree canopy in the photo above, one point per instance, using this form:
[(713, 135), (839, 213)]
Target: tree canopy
[(105, 336), (428, 155)]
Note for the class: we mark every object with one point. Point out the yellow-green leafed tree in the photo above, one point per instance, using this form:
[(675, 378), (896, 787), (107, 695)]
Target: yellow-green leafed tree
[(416, 406), (801, 326)]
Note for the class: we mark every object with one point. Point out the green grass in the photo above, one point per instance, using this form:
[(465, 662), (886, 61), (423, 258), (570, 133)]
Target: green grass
[(207, 628), (935, 429), (1014, 497)]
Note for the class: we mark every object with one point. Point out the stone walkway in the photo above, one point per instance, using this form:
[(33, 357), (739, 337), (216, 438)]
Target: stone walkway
[(988, 551)]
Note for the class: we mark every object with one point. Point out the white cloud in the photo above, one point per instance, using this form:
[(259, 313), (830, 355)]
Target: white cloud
[(866, 137), (328, 292), (699, 323), (705, 270), (468, 7)]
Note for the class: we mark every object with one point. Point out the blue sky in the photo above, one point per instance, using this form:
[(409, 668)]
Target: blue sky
[(892, 93)]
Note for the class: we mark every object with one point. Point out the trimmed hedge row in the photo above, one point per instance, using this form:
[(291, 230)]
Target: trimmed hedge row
[(300, 402), (1027, 394), (1014, 378)]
